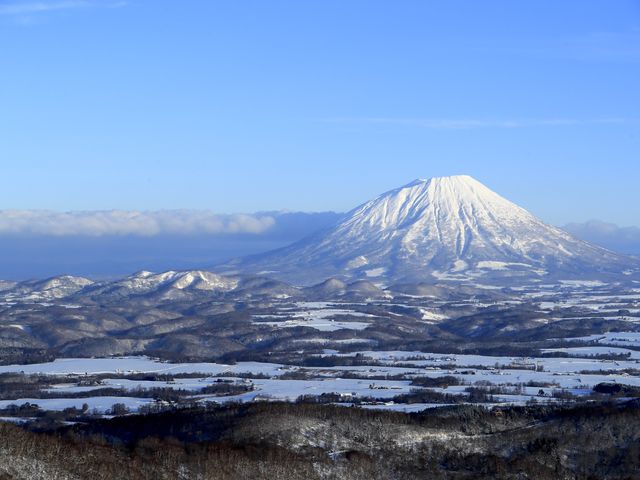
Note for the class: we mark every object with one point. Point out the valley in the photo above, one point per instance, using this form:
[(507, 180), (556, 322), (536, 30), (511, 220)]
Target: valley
[(159, 342)]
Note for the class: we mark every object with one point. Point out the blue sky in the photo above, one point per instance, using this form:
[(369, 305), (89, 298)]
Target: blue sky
[(318, 105)]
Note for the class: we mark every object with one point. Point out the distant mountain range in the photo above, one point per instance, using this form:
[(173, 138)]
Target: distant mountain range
[(609, 235), (441, 229), (188, 285)]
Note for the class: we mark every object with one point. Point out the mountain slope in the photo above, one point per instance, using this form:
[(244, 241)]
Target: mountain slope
[(43, 290), (165, 283), (446, 228)]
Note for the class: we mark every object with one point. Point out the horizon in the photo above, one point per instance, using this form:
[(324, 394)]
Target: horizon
[(113, 244), (22, 226)]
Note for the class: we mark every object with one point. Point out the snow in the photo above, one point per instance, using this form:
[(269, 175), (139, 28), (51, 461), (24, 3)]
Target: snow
[(17, 420), (357, 262), (596, 350), (438, 227), (189, 384), (375, 272), (145, 281), (101, 404), (611, 338), (459, 265), (290, 390), (469, 369), (604, 305), (431, 316), (405, 407), (135, 365), (318, 315), (319, 324), (517, 365), (43, 290), (493, 265), (342, 341), (582, 283)]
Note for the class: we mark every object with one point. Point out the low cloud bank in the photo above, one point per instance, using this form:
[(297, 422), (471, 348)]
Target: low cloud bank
[(39, 244), (122, 222)]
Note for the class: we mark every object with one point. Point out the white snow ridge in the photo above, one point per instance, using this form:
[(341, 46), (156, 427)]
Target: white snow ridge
[(445, 228)]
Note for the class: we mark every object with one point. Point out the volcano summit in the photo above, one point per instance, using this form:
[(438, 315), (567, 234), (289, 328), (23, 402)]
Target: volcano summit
[(441, 229)]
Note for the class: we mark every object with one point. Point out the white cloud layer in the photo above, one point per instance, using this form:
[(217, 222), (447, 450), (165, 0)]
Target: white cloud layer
[(123, 222)]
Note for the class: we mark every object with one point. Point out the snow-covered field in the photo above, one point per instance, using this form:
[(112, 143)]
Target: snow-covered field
[(625, 339), (99, 404), (319, 315), (389, 374), (597, 350), (123, 365), (554, 365)]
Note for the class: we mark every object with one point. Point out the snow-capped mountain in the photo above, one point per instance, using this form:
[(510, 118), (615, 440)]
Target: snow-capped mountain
[(447, 229), (169, 285), (145, 282), (48, 289)]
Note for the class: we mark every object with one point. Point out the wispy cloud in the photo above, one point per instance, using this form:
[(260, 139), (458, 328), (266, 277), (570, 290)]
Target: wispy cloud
[(27, 10), (123, 222), (474, 123), (30, 8)]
